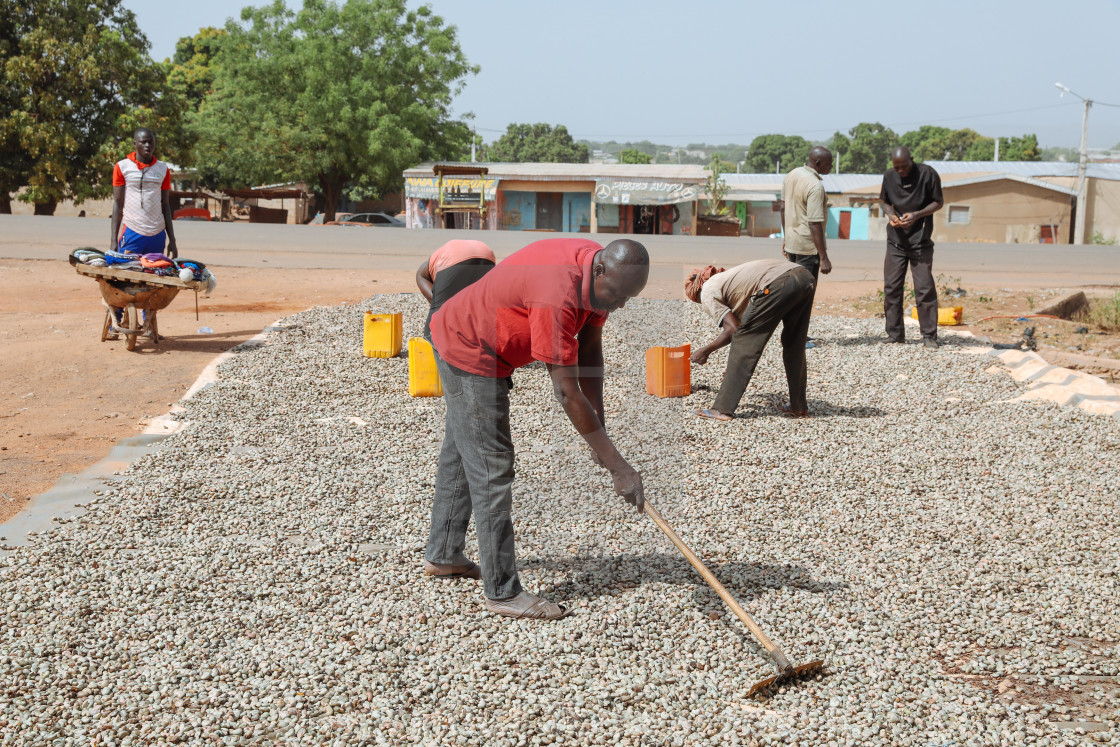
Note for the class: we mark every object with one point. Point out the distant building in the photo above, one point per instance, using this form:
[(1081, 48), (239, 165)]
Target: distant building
[(1026, 202), (567, 197)]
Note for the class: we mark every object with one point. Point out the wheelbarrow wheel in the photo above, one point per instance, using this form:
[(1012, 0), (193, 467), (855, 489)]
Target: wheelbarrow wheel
[(133, 328)]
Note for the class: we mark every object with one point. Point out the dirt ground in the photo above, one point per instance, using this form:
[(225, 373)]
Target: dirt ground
[(66, 397)]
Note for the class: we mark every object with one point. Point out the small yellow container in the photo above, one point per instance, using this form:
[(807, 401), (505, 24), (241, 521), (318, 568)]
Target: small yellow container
[(383, 334), (423, 377), (947, 316)]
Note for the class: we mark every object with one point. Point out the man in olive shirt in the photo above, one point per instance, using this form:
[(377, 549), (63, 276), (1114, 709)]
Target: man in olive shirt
[(910, 196), (748, 302), (804, 212)]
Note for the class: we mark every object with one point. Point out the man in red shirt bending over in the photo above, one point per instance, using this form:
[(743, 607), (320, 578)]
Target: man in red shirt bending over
[(547, 302)]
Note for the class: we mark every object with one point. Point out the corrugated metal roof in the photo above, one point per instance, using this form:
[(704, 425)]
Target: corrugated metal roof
[(833, 183), (690, 173), (1030, 169), (839, 183), (950, 180)]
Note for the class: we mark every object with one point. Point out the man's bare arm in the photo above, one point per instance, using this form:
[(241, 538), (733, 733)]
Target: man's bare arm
[(729, 324), (816, 230), (566, 388), (591, 369), (168, 220), (115, 222), (424, 281)]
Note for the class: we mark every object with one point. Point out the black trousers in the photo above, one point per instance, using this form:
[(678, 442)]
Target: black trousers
[(920, 262), (811, 262), (789, 301)]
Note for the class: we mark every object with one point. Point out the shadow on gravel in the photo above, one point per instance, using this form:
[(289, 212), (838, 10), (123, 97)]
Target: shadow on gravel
[(591, 577), (948, 341), (766, 406)]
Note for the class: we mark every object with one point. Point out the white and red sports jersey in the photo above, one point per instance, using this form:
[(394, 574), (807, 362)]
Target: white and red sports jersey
[(143, 195)]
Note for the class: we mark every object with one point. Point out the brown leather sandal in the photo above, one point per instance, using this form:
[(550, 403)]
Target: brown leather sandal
[(785, 410), (444, 572), (526, 606)]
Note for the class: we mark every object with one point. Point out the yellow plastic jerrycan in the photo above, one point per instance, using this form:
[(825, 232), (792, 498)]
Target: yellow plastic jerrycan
[(423, 377), (383, 334), (947, 316)]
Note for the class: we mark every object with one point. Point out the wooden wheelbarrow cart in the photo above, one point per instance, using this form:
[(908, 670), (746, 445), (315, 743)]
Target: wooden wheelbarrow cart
[(139, 296)]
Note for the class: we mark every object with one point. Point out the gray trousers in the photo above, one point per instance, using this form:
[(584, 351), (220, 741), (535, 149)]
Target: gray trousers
[(790, 301), (920, 262), (475, 475)]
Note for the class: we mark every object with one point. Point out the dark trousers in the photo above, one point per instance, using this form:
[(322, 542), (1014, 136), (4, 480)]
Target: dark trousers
[(920, 262), (789, 301), (811, 262), (475, 475)]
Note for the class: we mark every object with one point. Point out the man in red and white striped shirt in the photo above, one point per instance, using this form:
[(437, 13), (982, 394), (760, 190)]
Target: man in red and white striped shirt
[(141, 212)]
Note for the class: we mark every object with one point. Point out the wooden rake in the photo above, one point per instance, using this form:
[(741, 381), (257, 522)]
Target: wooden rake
[(786, 671)]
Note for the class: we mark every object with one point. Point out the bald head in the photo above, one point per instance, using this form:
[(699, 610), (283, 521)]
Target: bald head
[(901, 160), (820, 158), (619, 272)]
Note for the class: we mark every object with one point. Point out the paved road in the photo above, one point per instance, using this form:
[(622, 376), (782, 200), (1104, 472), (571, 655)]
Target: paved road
[(327, 247)]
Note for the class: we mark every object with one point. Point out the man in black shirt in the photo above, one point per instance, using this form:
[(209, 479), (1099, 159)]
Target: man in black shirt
[(910, 196)]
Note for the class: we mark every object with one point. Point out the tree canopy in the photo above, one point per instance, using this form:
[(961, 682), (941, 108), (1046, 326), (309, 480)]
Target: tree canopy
[(633, 155), (865, 150), (75, 79), (776, 153), (343, 95), (537, 143)]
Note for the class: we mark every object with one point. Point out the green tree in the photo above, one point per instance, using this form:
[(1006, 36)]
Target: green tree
[(537, 143), (716, 187), (632, 155), (766, 152), (342, 95), (74, 78), (191, 71), (1024, 148), (869, 148)]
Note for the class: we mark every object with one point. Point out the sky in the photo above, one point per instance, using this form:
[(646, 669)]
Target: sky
[(722, 72)]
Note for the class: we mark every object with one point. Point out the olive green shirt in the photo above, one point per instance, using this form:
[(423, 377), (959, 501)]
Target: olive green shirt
[(732, 290), (805, 200)]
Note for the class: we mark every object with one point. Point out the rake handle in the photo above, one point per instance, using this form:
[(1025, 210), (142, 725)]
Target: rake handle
[(771, 648)]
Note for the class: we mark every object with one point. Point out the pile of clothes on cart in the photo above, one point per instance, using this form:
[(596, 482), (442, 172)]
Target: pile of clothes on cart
[(154, 264)]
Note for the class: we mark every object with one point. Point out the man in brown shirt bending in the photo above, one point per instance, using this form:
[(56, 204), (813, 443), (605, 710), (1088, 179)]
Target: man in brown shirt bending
[(747, 302)]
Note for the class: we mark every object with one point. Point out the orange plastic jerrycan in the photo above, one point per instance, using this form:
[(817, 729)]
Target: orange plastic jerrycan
[(383, 334), (669, 371), (423, 377)]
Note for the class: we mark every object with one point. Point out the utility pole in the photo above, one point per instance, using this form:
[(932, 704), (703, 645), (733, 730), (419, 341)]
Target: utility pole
[(1082, 165), (997, 150)]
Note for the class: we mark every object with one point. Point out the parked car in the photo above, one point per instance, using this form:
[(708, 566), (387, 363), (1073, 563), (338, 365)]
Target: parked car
[(191, 213), (369, 220), (318, 219)]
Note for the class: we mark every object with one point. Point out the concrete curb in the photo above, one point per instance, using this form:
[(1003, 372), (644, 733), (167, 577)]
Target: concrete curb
[(1046, 381)]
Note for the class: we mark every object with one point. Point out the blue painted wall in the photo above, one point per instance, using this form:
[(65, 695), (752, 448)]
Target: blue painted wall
[(577, 211), (860, 226), (519, 211)]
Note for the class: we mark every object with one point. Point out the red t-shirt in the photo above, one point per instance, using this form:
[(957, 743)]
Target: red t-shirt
[(529, 307)]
